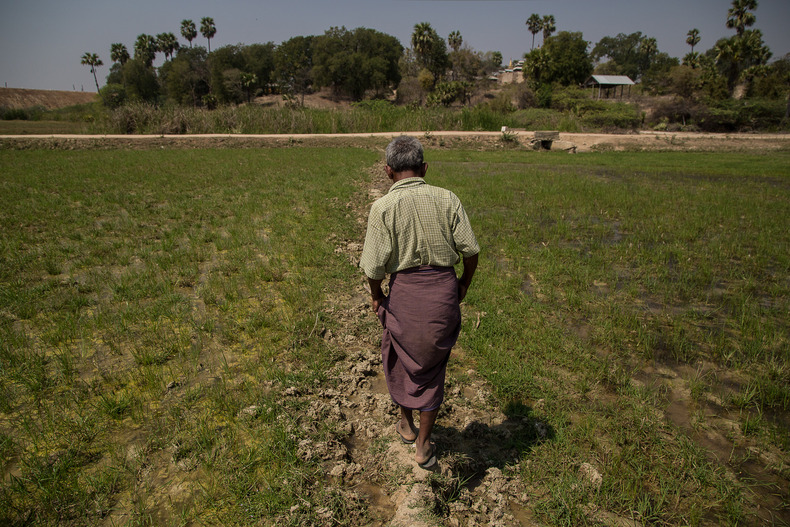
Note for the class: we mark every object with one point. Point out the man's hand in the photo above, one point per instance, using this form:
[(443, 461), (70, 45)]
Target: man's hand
[(470, 266), (375, 303), (462, 289), (376, 294)]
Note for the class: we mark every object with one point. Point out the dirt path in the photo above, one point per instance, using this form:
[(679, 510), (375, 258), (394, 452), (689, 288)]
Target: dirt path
[(472, 484), (567, 141)]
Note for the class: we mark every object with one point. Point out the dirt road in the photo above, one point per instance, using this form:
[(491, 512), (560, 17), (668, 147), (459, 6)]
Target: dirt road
[(567, 141)]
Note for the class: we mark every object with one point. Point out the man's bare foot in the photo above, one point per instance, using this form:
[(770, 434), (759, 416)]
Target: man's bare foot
[(408, 434), (426, 455)]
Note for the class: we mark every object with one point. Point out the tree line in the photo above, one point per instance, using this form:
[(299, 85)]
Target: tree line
[(365, 63), (739, 60)]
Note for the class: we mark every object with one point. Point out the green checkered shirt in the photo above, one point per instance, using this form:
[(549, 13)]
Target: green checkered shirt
[(416, 224)]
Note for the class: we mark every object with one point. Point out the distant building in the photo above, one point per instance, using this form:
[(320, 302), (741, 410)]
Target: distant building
[(607, 85)]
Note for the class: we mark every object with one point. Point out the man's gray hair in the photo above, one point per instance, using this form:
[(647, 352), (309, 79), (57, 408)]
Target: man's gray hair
[(404, 153)]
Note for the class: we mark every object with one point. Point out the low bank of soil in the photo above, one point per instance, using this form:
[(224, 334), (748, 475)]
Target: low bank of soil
[(49, 99), (578, 142)]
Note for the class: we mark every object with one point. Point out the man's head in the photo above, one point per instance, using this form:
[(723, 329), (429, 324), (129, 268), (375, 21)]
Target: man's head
[(404, 153)]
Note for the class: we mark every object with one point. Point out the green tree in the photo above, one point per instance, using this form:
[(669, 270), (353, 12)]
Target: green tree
[(736, 57), (208, 29), (549, 26), (140, 81), (225, 66), (167, 44), (691, 59), (145, 49), (774, 81), (630, 55), (92, 60), (534, 25), (188, 31), (740, 15), (352, 62), (293, 60), (467, 65), (248, 81), (568, 61), (119, 53), (692, 38), (455, 40), (648, 48), (259, 60), (431, 51), (496, 59), (536, 66), (186, 78)]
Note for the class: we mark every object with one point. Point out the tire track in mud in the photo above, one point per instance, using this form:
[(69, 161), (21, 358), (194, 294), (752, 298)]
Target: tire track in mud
[(474, 482)]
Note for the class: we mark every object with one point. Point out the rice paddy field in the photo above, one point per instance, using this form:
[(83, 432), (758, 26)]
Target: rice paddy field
[(185, 340)]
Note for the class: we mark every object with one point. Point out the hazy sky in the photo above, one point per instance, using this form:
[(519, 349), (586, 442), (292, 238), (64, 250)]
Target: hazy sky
[(41, 41)]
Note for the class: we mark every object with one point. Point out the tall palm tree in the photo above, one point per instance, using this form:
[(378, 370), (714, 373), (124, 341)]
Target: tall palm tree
[(248, 80), (455, 40), (92, 60), (692, 38), (648, 47), (188, 31), (145, 49), (534, 25), (549, 26), (119, 53), (167, 44), (739, 17), (208, 29), (422, 41)]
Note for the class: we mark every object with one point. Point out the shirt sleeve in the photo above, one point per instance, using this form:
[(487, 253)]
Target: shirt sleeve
[(463, 236), (377, 249)]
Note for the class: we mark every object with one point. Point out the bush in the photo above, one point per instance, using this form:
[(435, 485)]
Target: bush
[(675, 110), (746, 115), (113, 95), (617, 117), (33, 113)]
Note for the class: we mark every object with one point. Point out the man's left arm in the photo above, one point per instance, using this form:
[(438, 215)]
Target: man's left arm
[(470, 266)]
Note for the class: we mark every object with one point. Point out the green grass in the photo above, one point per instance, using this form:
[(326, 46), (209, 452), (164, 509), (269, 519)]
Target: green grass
[(148, 297), (597, 268)]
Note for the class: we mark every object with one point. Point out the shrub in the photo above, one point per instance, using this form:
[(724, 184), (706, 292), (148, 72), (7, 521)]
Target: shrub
[(33, 113), (113, 95), (617, 117)]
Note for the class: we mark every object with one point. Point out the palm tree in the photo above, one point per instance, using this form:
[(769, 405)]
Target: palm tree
[(534, 24), (692, 60), (648, 46), (145, 49), (92, 60), (208, 29), (455, 40), (422, 41), (188, 31), (248, 80), (549, 26), (536, 62), (167, 44), (692, 38), (119, 53), (739, 16)]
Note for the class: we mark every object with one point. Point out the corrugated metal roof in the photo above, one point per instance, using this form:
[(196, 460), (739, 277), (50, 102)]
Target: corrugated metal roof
[(612, 79)]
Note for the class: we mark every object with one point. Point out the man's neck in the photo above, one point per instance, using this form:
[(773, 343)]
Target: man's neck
[(400, 176)]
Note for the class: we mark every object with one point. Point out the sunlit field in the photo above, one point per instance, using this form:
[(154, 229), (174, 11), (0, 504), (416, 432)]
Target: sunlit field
[(168, 320)]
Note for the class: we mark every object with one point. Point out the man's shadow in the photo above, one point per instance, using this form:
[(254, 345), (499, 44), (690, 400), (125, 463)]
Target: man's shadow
[(473, 449)]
